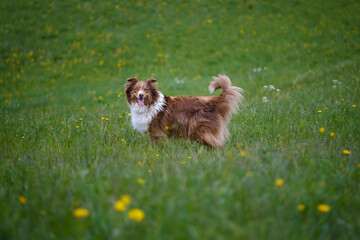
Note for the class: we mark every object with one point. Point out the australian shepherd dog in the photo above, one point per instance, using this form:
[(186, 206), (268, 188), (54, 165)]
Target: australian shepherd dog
[(200, 118)]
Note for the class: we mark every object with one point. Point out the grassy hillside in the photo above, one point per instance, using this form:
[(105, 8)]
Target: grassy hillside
[(290, 169)]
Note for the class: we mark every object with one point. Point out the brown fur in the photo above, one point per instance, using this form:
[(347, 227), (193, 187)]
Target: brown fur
[(200, 118)]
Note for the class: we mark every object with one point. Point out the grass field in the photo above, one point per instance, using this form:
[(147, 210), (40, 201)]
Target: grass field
[(70, 159)]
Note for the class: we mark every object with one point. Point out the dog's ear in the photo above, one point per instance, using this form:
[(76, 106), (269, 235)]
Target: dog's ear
[(151, 81), (131, 80)]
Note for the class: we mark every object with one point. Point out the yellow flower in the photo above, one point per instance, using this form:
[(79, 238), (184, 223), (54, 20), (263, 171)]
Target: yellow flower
[(189, 157), (101, 62), (323, 208), (239, 145), (301, 207), (326, 108), (136, 215), (80, 119), (141, 181), (322, 129), (209, 21), (22, 200), (81, 212), (126, 199), (319, 111), (279, 182), (353, 105), (120, 206), (346, 152), (77, 126), (249, 174), (242, 154), (332, 134)]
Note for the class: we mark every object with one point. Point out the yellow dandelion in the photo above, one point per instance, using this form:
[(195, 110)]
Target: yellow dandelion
[(22, 200), (346, 152), (102, 118), (81, 212), (19, 158), (239, 145), (354, 106), (326, 108), (183, 162), (209, 21), (166, 127), (279, 182), (23, 137), (101, 62), (80, 119), (120, 206), (249, 174), (136, 215), (189, 157), (107, 119), (129, 114), (242, 154), (319, 111), (126, 199), (322, 129), (77, 126), (149, 170), (323, 208), (332, 134), (301, 207), (141, 181)]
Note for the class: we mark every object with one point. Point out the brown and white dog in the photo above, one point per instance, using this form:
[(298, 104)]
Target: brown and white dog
[(199, 118)]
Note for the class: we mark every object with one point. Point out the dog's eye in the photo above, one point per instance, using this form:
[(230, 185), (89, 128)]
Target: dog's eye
[(146, 90)]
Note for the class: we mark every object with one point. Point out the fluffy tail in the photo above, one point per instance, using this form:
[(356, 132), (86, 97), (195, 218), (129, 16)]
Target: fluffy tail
[(232, 95)]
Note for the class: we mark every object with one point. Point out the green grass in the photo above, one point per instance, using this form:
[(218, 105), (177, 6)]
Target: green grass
[(66, 60)]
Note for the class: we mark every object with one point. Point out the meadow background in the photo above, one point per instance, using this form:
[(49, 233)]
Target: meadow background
[(290, 169)]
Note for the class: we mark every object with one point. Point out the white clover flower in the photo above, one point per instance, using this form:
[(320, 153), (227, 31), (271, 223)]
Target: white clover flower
[(254, 70), (266, 87), (278, 90), (334, 86), (178, 81), (265, 100), (335, 81), (259, 69), (271, 87)]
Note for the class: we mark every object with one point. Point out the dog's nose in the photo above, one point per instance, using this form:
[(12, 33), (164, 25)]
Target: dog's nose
[(141, 95)]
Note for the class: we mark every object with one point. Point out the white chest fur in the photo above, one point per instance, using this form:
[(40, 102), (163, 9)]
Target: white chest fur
[(141, 117)]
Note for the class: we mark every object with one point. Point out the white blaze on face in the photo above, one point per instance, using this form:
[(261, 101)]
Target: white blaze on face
[(140, 96)]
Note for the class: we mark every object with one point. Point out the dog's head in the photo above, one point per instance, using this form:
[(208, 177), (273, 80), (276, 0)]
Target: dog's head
[(143, 93)]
